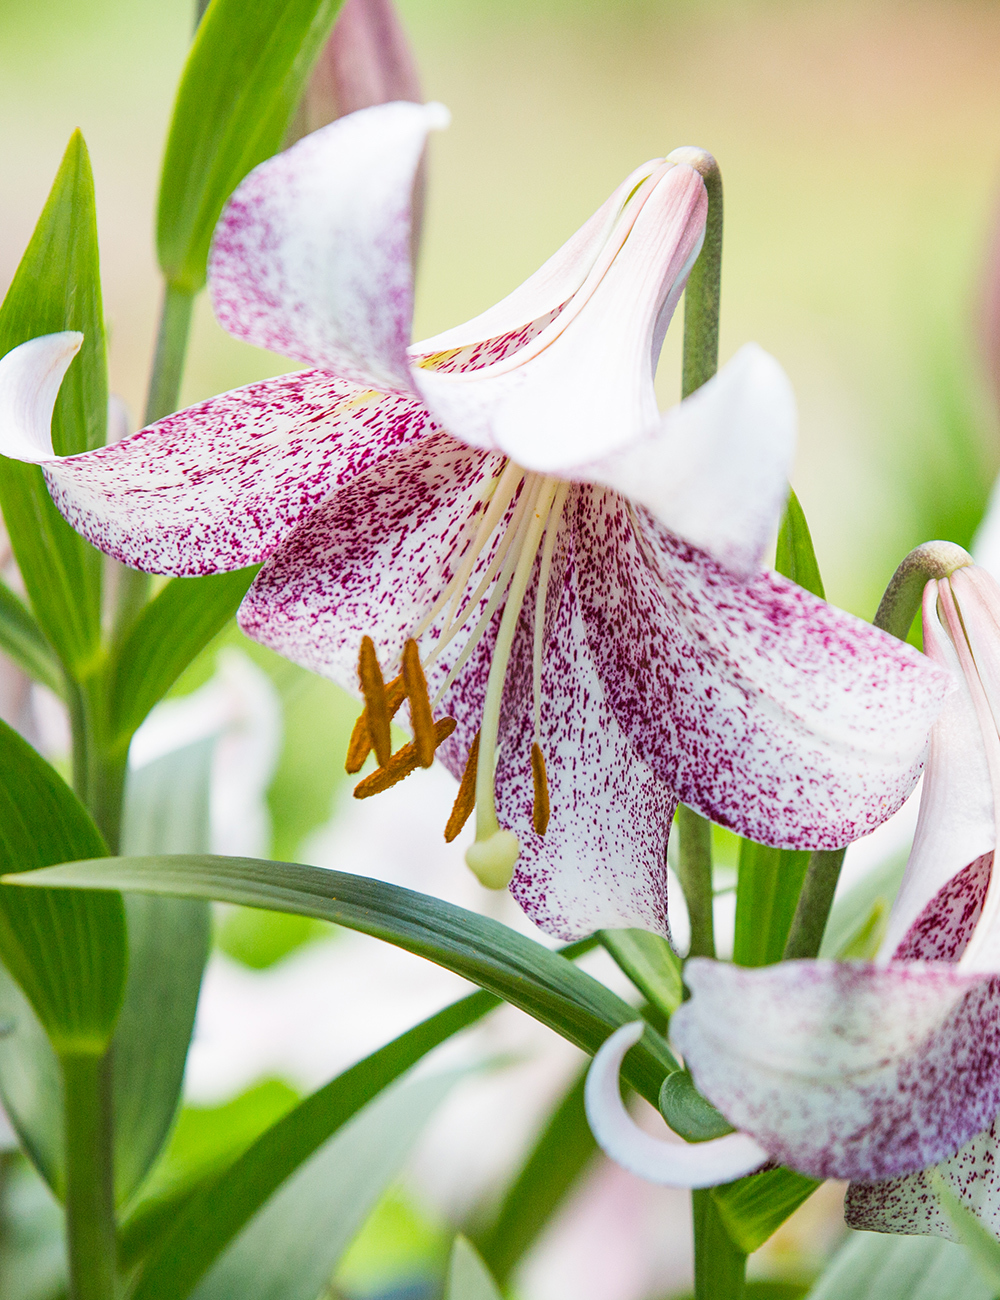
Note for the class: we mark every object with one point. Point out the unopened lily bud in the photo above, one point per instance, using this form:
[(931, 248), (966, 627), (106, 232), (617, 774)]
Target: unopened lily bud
[(366, 61)]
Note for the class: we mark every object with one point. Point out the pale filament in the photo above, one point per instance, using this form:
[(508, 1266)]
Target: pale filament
[(541, 595)]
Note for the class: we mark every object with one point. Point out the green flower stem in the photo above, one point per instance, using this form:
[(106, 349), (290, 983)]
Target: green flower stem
[(695, 872), (702, 296), (901, 602), (719, 1264), (90, 1214), (815, 901), (98, 768)]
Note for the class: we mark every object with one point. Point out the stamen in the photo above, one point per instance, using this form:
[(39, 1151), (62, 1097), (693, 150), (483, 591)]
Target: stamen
[(541, 595), (373, 689), (421, 717), (400, 764), (465, 800), (540, 808), (360, 745)]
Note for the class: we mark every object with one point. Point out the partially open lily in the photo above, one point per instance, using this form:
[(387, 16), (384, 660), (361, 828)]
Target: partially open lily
[(565, 585), (876, 1070)]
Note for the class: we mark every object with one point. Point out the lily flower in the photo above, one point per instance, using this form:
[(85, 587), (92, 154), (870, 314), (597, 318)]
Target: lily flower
[(875, 1071), (498, 526)]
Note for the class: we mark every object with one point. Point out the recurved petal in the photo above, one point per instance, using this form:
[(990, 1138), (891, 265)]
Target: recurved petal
[(311, 257), (217, 486), (955, 825), (909, 1204), (30, 376), (715, 470), (764, 708), (673, 1164), (844, 1070), (601, 863)]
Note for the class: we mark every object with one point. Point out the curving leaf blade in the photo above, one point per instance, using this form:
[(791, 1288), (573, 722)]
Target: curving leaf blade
[(900, 1268), (468, 1276)]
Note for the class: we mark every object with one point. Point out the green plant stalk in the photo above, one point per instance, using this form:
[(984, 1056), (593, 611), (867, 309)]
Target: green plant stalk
[(813, 909), (719, 1264), (694, 869), (98, 767), (90, 1215)]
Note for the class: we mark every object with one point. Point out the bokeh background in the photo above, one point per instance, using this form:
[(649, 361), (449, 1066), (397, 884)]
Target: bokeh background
[(860, 147)]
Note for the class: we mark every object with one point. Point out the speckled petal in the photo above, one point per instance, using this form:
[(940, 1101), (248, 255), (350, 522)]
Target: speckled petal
[(602, 861), (844, 1070), (217, 486), (583, 386), (311, 257), (765, 709), (715, 471), (908, 1204), (671, 1164)]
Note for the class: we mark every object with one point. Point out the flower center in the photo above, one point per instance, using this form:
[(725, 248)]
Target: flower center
[(529, 508)]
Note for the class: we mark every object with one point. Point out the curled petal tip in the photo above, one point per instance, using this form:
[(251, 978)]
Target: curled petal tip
[(703, 1164), (30, 377)]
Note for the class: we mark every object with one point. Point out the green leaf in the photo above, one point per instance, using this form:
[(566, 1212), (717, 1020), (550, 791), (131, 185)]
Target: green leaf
[(983, 1247), (23, 641), (468, 1276), (770, 881), (650, 963), (795, 557), (57, 287), (289, 1250), (30, 1083), (900, 1268), (66, 950), (516, 968), (219, 1211), (853, 912), (688, 1112), (242, 82), (32, 1248), (753, 1208), (561, 1152), (169, 633)]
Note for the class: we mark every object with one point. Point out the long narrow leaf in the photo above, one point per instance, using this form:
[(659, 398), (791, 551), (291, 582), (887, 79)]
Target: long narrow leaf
[(523, 972), (468, 1276), (872, 1264), (23, 641)]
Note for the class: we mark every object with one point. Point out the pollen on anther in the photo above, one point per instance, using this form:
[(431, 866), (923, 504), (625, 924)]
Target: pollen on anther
[(360, 745), (540, 807), (400, 764), (465, 800), (421, 717), (373, 689)]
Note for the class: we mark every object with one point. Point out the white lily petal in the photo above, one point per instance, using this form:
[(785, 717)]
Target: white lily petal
[(715, 471), (955, 825), (700, 1164), (311, 257), (30, 376)]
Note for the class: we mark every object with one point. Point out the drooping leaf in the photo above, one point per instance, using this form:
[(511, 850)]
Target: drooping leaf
[(983, 1247), (66, 950), (770, 881), (57, 287), (795, 557), (468, 1276), (755, 1207), (241, 85), (650, 963), (30, 1085), (169, 633), (218, 1212), (23, 641), (563, 1149), (523, 972), (166, 810), (892, 1267)]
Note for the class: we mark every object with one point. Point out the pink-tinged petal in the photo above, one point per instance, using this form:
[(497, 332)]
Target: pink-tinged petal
[(583, 385), (715, 471), (955, 824), (764, 708), (217, 486), (909, 1204), (672, 1164), (500, 330), (368, 562), (601, 863), (844, 1070), (311, 257), (945, 925), (30, 376)]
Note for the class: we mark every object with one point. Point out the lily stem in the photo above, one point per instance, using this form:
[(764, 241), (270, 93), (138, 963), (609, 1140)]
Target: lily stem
[(90, 1213), (695, 872), (901, 602), (719, 1264), (704, 286), (815, 901)]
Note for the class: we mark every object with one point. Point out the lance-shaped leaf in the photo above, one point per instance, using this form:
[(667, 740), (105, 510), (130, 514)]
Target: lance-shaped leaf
[(23, 641), (57, 287), (242, 82), (493, 956), (468, 1276), (67, 951)]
